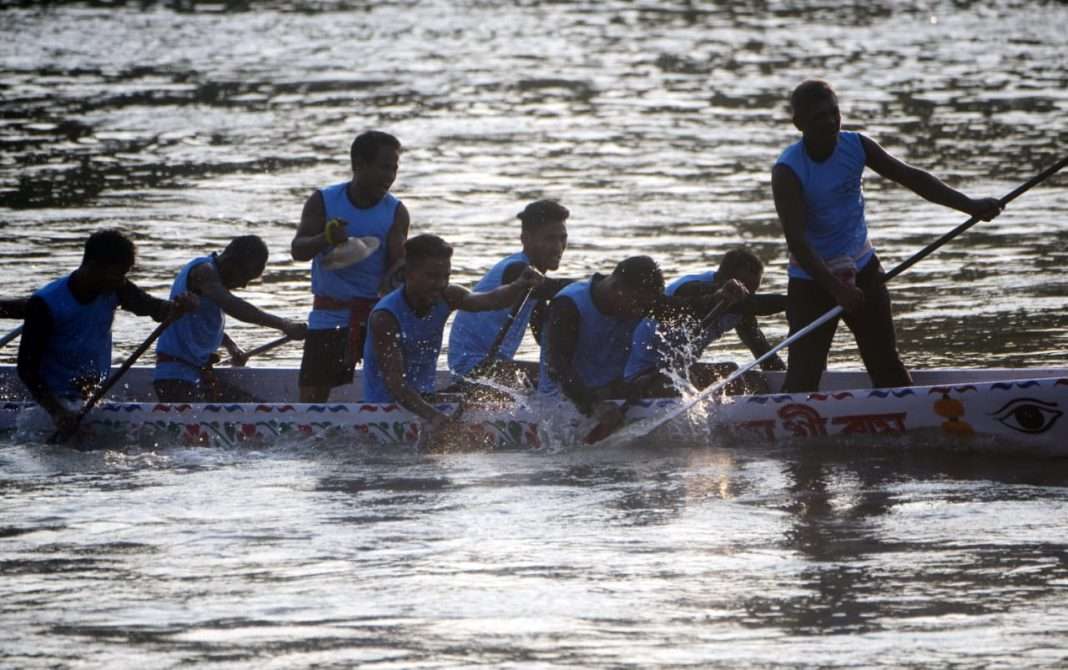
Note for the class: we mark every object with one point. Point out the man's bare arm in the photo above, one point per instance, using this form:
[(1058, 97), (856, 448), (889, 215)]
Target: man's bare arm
[(753, 337), (925, 184), (311, 232), (398, 235), (502, 296), (204, 279)]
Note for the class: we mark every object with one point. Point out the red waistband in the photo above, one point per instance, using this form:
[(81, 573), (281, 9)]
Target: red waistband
[(164, 357), (354, 304)]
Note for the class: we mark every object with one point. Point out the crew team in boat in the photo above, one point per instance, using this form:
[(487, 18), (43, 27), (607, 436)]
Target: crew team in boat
[(603, 338)]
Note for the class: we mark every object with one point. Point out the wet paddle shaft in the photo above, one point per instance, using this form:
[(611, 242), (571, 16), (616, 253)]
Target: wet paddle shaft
[(10, 336), (496, 347)]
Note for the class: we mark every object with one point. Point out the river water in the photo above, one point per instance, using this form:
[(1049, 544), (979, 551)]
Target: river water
[(656, 123)]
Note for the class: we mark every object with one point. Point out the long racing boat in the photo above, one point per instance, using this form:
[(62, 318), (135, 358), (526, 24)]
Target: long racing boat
[(1002, 409)]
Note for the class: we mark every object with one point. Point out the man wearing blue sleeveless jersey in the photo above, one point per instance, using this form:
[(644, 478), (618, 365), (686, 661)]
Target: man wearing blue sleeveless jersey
[(408, 324), (817, 187), (185, 351), (345, 293), (544, 238), (65, 350), (586, 343), (677, 345)]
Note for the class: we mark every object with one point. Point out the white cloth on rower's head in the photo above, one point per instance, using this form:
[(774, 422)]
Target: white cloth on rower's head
[(351, 251)]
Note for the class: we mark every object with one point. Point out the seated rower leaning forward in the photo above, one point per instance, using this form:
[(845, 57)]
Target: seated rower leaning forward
[(663, 350), (591, 323), (353, 233), (472, 340), (187, 349), (817, 187), (407, 327), (65, 350)]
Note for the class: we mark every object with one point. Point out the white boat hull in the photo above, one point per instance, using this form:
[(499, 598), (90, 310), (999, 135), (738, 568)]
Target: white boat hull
[(1012, 410)]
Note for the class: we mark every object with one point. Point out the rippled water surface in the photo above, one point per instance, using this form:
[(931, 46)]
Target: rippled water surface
[(656, 123)]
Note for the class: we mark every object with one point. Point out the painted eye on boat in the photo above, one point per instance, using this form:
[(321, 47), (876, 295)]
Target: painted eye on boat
[(1028, 415)]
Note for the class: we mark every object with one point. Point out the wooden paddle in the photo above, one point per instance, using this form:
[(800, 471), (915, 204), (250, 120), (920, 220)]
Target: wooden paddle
[(262, 349), (10, 336), (836, 311), (603, 430), (59, 436)]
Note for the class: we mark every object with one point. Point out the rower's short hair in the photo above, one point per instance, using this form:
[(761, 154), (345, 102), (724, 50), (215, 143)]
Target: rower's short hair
[(250, 248), (424, 247), (640, 273), (808, 93), (540, 212), (366, 145), (739, 257), (109, 246)]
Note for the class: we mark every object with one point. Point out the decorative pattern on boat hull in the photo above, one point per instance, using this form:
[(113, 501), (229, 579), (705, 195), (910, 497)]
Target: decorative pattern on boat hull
[(1021, 413)]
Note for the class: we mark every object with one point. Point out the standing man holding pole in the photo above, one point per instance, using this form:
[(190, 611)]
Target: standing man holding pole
[(817, 188)]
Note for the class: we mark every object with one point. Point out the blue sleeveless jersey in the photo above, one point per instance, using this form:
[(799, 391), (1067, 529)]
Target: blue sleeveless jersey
[(653, 347), (359, 280), (834, 201), (603, 342), (473, 333), (79, 347), (420, 342), (194, 337)]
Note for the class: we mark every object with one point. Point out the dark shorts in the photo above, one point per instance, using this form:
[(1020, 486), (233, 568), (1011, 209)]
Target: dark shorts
[(873, 330), (327, 360)]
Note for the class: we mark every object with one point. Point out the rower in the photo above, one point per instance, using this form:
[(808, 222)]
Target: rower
[(588, 335), (407, 326), (187, 349), (543, 234), (353, 233), (817, 187), (667, 349), (65, 350)]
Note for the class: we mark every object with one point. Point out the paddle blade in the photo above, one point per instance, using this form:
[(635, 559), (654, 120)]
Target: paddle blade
[(599, 432), (606, 426)]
